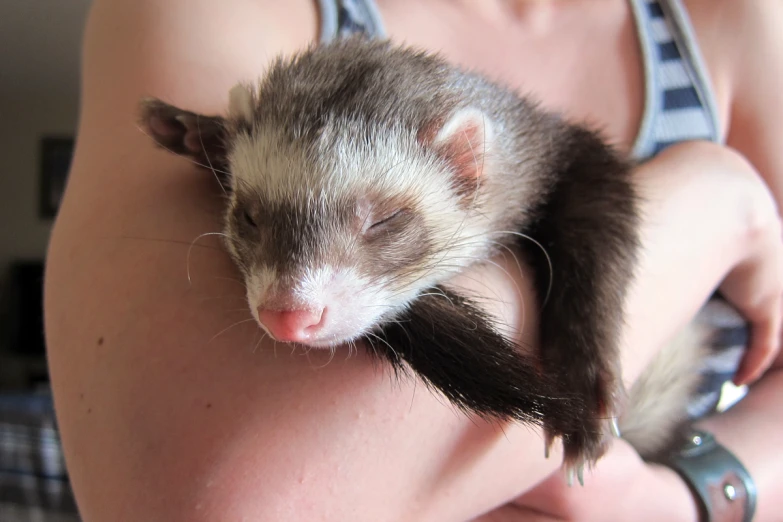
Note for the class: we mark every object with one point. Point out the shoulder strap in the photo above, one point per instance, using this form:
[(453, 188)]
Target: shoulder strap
[(341, 18), (682, 31)]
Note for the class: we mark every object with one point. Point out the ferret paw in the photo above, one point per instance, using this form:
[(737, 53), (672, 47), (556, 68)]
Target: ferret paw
[(583, 446), (588, 451), (589, 424), (599, 424)]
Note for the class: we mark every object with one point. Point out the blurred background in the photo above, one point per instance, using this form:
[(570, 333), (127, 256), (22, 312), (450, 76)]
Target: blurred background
[(40, 44), (39, 98)]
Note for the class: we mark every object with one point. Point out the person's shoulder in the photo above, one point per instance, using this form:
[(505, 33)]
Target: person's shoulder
[(753, 27), (758, 22), (734, 12), (211, 23), (742, 25), (173, 46), (741, 40)]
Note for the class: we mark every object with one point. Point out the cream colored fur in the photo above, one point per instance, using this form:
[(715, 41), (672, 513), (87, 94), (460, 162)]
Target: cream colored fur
[(658, 400)]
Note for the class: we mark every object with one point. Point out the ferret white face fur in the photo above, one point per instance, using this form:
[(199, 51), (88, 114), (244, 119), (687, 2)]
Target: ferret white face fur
[(337, 233)]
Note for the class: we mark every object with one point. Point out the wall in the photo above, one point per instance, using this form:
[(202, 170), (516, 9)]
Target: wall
[(40, 43), (23, 234), (39, 93)]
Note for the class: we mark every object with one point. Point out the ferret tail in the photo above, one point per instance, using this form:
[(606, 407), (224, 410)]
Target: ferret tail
[(656, 411)]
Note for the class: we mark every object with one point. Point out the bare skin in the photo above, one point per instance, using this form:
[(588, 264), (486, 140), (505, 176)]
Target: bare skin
[(206, 423)]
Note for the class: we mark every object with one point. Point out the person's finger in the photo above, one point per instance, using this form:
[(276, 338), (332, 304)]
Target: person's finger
[(763, 349)]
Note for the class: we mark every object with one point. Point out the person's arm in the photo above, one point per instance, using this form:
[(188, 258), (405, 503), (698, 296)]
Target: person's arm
[(728, 191), (623, 487), (750, 428), (167, 411), (756, 128)]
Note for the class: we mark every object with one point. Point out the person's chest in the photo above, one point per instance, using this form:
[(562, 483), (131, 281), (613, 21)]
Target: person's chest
[(581, 57)]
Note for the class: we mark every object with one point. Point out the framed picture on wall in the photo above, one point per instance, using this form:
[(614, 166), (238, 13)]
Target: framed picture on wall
[(56, 154)]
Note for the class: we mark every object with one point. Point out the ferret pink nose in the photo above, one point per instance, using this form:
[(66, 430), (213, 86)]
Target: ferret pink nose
[(291, 325)]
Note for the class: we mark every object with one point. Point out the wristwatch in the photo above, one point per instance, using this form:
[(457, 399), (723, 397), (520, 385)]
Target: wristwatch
[(722, 486)]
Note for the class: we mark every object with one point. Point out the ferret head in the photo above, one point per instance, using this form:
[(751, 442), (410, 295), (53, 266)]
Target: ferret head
[(337, 223)]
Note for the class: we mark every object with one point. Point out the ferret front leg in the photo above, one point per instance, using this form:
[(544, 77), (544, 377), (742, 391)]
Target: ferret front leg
[(456, 349), (589, 229)]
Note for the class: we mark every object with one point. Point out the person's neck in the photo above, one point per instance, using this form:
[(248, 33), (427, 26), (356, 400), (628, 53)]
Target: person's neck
[(536, 13)]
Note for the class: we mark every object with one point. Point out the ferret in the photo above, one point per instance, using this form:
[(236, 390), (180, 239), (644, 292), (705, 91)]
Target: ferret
[(363, 175)]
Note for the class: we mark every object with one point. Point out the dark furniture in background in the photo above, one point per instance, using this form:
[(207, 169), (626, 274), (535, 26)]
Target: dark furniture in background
[(34, 483), (56, 155), (24, 309), (22, 340)]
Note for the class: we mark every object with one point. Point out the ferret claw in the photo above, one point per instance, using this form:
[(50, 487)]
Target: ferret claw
[(548, 440), (615, 427), (578, 469)]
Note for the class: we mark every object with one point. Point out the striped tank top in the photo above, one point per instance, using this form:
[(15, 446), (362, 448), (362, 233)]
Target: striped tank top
[(679, 105)]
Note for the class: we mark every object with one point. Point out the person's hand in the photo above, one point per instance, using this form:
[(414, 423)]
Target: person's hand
[(709, 221), (755, 286), (617, 489), (714, 196)]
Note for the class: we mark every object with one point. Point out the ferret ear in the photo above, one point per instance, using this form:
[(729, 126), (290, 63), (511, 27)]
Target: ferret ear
[(463, 140), (198, 137)]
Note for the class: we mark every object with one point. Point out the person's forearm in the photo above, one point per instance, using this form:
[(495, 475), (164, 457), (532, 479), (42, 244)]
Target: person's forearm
[(624, 488), (753, 431), (702, 207), (715, 236)]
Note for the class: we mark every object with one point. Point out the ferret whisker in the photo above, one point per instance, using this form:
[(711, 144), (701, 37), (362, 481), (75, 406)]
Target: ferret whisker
[(171, 241), (516, 285), (439, 294), (483, 156), (216, 297), (374, 350), (224, 330), (381, 339), (332, 351), (206, 155), (235, 280), (260, 340), (501, 246), (543, 250), (455, 268), (190, 249), (396, 321), (475, 161), (445, 251)]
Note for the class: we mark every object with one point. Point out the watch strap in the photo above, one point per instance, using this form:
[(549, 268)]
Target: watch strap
[(723, 487)]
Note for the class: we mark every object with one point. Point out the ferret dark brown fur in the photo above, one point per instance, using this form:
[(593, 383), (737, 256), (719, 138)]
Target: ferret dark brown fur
[(362, 176)]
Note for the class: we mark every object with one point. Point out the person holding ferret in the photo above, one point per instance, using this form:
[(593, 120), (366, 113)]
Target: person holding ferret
[(278, 436)]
